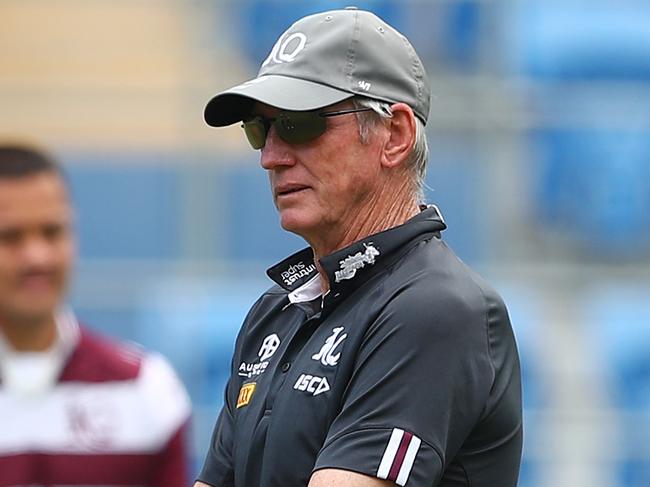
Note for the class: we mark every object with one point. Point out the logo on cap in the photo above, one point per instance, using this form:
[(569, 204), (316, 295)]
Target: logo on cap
[(286, 50)]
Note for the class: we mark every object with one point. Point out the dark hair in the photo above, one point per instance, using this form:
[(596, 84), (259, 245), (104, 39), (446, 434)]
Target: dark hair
[(18, 161)]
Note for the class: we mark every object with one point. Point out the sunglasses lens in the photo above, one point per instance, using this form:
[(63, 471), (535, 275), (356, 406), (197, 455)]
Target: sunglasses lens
[(255, 131), (292, 127), (299, 127)]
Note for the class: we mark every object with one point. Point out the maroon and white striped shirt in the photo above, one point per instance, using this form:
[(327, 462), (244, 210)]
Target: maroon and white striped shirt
[(90, 412)]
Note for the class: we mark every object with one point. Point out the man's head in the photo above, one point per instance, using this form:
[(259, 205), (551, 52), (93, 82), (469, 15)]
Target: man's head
[(36, 242), (324, 67)]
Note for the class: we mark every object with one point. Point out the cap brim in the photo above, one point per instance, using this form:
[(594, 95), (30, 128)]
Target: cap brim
[(282, 92)]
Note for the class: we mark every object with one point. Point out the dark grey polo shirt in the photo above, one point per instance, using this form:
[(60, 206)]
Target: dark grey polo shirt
[(405, 370)]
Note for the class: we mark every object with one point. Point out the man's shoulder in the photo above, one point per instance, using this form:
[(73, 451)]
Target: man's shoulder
[(432, 266), (433, 280), (276, 295), (98, 358)]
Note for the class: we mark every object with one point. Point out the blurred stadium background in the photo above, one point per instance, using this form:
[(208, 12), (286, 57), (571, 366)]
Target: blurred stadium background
[(540, 162)]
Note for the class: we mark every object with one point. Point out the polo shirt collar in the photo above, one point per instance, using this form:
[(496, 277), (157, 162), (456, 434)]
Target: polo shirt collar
[(350, 267), (33, 373)]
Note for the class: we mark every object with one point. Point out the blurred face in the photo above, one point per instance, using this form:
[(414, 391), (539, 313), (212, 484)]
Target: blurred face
[(322, 187), (36, 246)]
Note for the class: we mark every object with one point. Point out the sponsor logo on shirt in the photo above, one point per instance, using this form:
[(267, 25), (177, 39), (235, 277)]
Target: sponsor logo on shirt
[(352, 263), (251, 370), (245, 394), (312, 384), (269, 346), (326, 355), (296, 272)]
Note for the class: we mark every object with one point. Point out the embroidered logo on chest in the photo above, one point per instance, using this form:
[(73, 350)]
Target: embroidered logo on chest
[(327, 355)]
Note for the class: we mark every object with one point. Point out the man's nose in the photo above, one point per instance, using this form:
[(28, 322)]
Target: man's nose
[(276, 152), (36, 250)]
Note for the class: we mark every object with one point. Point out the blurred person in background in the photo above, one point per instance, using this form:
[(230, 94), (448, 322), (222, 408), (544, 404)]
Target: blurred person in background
[(378, 358), (76, 409)]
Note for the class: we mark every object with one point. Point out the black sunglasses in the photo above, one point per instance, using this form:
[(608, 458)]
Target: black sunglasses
[(292, 127)]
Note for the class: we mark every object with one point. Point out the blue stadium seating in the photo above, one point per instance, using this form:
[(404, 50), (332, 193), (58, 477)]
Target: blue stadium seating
[(573, 40), (455, 174), (526, 315), (619, 331), (126, 210), (591, 183)]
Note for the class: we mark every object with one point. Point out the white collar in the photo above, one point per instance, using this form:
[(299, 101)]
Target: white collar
[(307, 292), (33, 373)]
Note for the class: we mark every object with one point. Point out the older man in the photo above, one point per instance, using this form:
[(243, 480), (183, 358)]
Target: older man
[(76, 409), (378, 358)]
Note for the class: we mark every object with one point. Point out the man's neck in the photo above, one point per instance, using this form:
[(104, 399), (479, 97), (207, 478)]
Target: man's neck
[(35, 335), (379, 216)]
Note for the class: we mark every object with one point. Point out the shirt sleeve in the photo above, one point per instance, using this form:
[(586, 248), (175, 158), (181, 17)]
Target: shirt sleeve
[(419, 384), (218, 466)]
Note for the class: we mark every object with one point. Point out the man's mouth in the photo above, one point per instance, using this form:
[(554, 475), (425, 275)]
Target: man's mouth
[(37, 282), (290, 190)]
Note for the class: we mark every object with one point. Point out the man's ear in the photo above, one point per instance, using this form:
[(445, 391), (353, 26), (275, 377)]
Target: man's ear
[(401, 127)]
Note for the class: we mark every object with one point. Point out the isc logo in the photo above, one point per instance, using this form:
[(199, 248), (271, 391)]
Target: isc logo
[(314, 385)]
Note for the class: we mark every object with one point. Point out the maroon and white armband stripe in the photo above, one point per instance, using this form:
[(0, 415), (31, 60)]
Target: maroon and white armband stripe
[(399, 456)]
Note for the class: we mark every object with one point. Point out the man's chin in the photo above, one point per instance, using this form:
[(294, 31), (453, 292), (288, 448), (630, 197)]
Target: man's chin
[(292, 222), (32, 315)]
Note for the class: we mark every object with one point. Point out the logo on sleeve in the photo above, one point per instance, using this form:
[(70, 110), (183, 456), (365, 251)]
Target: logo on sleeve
[(246, 394), (352, 263), (399, 456), (312, 384), (326, 355)]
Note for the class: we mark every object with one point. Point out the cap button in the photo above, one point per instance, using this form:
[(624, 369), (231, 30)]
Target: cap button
[(351, 8)]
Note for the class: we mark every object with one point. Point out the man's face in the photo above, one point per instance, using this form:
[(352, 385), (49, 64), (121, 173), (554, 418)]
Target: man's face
[(322, 187), (36, 246)]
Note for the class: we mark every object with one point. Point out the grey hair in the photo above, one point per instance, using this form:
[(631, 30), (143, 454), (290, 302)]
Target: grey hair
[(417, 160)]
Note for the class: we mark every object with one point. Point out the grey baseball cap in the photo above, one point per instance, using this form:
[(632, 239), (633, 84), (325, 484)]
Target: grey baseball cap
[(326, 58)]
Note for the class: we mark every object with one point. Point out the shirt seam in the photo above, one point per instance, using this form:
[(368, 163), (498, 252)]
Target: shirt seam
[(487, 333), (486, 321)]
